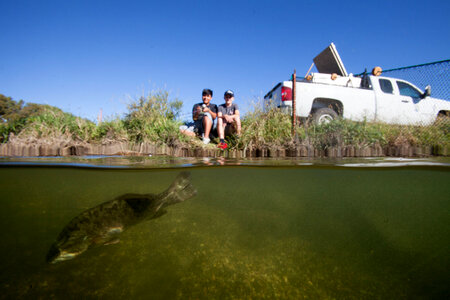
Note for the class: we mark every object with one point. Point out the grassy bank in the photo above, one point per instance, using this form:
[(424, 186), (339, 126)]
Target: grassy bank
[(149, 119), (271, 127), (154, 119)]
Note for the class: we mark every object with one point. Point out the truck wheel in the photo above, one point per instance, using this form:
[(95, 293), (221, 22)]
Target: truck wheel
[(324, 115), (442, 117)]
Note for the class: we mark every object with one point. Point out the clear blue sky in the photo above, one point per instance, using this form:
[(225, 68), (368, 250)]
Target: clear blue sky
[(83, 56)]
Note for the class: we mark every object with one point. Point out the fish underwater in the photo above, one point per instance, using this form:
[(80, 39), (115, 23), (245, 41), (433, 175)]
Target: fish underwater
[(103, 224)]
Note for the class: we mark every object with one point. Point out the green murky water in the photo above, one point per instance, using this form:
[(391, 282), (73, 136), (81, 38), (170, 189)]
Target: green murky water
[(251, 233)]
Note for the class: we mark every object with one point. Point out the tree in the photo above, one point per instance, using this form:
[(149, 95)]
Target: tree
[(13, 111), (9, 109)]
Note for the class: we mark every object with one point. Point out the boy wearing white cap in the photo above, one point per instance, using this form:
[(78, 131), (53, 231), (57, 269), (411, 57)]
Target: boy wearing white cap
[(228, 118)]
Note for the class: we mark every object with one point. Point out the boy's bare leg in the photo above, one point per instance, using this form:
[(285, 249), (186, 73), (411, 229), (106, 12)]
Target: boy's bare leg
[(207, 125), (221, 128)]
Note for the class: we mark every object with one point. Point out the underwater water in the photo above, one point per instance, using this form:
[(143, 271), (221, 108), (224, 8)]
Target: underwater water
[(254, 232)]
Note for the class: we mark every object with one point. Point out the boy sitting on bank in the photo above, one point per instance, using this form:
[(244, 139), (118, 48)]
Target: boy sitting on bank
[(228, 118), (203, 115)]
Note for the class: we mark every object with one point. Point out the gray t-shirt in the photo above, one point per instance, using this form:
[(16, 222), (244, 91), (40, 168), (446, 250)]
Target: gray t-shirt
[(228, 110)]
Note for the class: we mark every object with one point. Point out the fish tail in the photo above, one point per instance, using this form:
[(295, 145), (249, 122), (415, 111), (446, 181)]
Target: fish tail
[(180, 190)]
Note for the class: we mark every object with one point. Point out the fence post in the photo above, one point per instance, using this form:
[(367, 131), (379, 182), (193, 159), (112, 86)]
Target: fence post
[(294, 107)]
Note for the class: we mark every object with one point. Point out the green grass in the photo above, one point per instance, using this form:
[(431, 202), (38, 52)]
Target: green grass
[(349, 133), (149, 119), (55, 124), (263, 127), (153, 119), (110, 130), (269, 127)]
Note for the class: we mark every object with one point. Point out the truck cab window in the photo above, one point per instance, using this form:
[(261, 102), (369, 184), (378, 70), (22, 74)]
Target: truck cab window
[(408, 90), (386, 86), (365, 82)]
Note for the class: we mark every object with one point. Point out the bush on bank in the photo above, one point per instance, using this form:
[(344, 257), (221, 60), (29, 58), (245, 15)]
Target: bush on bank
[(264, 126), (154, 119)]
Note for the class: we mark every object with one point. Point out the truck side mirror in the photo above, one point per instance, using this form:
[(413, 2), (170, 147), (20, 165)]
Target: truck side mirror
[(427, 92)]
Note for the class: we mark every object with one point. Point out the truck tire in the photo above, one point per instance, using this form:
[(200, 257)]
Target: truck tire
[(443, 116), (324, 115)]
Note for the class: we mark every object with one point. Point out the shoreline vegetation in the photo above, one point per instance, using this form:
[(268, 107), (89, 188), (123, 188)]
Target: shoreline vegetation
[(151, 127)]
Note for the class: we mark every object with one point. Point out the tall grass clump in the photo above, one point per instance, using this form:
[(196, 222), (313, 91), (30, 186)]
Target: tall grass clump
[(154, 119), (112, 130), (14, 115), (54, 124), (342, 132), (11, 127), (435, 134), (265, 125)]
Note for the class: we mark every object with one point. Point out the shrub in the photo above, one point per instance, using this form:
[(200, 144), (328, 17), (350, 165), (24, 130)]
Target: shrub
[(110, 130), (153, 119), (264, 126)]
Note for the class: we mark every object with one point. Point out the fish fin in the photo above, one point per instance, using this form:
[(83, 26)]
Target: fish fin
[(181, 189), (139, 204), (131, 196), (112, 242), (111, 236)]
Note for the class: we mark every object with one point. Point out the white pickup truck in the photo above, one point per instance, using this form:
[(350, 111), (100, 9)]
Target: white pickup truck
[(331, 93)]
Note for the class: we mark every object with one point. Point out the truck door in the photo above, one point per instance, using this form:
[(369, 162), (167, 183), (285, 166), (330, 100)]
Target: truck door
[(422, 109), (391, 106)]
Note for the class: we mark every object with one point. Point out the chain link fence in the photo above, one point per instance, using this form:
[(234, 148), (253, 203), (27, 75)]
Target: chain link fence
[(435, 74)]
